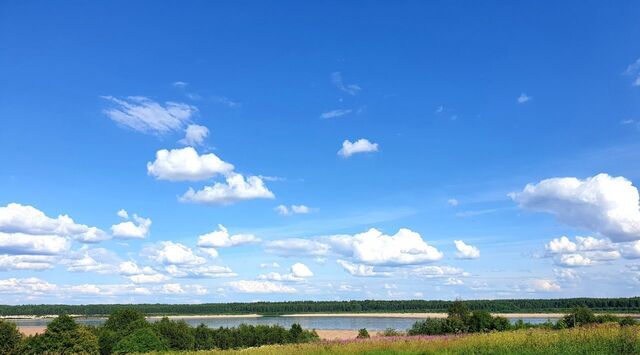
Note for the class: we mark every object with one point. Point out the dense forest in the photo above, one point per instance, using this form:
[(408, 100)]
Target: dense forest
[(631, 305)]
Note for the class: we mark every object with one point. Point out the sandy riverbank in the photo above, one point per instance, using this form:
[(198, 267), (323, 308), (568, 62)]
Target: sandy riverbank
[(438, 315)]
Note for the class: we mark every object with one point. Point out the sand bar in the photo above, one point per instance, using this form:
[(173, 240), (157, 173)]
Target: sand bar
[(440, 315)]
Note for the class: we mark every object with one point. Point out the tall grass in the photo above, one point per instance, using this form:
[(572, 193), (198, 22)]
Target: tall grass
[(600, 339)]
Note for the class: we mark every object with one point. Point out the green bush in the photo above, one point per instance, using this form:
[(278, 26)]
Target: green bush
[(580, 316), (140, 341), (480, 321), (63, 336), (10, 338), (500, 324), (363, 334), (628, 321), (390, 332)]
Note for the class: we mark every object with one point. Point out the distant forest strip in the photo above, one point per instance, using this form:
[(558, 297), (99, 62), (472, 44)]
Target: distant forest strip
[(621, 305)]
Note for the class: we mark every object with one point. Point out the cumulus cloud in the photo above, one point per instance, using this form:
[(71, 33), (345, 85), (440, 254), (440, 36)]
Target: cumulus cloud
[(360, 146), (466, 251), (269, 265), (99, 260), (298, 272), (375, 248), (30, 286), (360, 269), (20, 243), (574, 260), (523, 98), (26, 262), (170, 253), (235, 189), (147, 116), (631, 250), (335, 113), (136, 229), (28, 220), (194, 135), (294, 209), (186, 164), (543, 285), (222, 239), (136, 274), (197, 272), (351, 89), (607, 205), (585, 251), (249, 286)]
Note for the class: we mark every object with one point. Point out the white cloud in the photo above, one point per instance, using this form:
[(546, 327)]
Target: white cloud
[(297, 247), (26, 262), (197, 272), (631, 250), (180, 84), (360, 146), (452, 202), (603, 204), (375, 248), (466, 251), (17, 218), (294, 209), (335, 113), (298, 272), (30, 286), (523, 98), (269, 265), (226, 101), (221, 239), (351, 89), (301, 270), (432, 271), (97, 260), (194, 135), (247, 286), (144, 278), (574, 260), (561, 245), (360, 269), (136, 274), (170, 253), (566, 274), (129, 229), (236, 189), (147, 116), (172, 288), (186, 164), (20, 243), (452, 281), (634, 70), (543, 285)]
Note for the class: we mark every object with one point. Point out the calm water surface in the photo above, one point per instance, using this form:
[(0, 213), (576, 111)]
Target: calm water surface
[(342, 323)]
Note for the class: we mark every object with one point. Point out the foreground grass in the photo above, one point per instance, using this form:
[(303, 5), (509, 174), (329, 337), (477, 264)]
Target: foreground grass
[(603, 339)]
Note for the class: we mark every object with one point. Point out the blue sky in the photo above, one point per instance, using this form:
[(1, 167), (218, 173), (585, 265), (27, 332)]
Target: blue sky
[(344, 147)]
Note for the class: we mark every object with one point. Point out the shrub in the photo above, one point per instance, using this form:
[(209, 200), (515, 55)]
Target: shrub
[(429, 326), (9, 337), (579, 316), (363, 334), (63, 336), (140, 341), (628, 321), (177, 334), (459, 310), (500, 324), (203, 338), (125, 321), (390, 332)]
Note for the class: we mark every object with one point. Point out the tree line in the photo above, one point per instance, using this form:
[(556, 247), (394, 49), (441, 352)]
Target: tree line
[(127, 331), (462, 320), (364, 306)]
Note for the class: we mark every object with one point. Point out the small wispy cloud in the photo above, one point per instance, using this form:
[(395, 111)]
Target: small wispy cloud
[(523, 98), (360, 146), (226, 101), (180, 84), (351, 89), (445, 112), (634, 70), (335, 113), (147, 116)]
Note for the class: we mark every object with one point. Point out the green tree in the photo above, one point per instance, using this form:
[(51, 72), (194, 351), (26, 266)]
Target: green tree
[(140, 341), (363, 334), (480, 321), (10, 337), (63, 336), (203, 338), (459, 310), (178, 335), (500, 324), (295, 332)]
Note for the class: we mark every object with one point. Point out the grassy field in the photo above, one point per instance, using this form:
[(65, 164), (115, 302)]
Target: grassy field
[(603, 339)]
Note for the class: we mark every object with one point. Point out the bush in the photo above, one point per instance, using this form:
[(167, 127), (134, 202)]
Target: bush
[(177, 334), (203, 338), (140, 341), (627, 321), (390, 332), (459, 310), (363, 334), (429, 326), (10, 338), (500, 324), (579, 316), (63, 336)]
